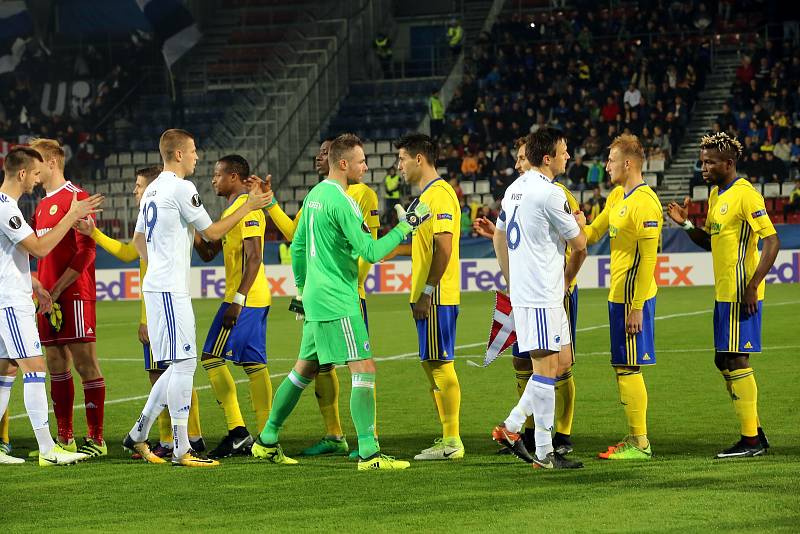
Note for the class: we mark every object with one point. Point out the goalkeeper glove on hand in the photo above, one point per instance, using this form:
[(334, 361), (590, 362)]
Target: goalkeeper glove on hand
[(55, 317), (296, 306), (417, 213)]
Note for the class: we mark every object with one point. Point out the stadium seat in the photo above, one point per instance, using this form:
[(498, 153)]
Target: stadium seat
[(772, 190), (482, 186), (467, 187), (124, 158), (655, 165), (291, 207), (700, 192), (651, 179), (139, 158), (295, 180)]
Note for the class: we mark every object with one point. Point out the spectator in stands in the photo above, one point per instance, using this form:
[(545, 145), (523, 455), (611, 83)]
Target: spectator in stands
[(469, 166), (726, 118), (577, 173), (753, 168), (466, 219), (592, 145), (455, 37), (453, 162), (796, 152), (632, 97), (774, 169), (453, 181), (610, 110), (596, 174), (596, 203), (285, 253), (783, 151), (436, 110), (661, 144), (383, 49), (99, 155), (793, 205), (392, 184), (503, 170), (745, 72)]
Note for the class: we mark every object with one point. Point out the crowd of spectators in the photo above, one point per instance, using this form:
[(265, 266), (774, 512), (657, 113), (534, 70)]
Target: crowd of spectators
[(592, 75), (764, 112), (80, 127)]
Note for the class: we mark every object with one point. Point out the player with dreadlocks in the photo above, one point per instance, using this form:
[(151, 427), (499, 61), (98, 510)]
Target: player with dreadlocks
[(737, 219)]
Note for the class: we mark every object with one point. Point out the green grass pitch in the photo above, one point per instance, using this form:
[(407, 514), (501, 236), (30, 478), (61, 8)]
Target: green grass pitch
[(682, 488)]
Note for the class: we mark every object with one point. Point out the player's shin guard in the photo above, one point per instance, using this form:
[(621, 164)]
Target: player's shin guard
[(362, 410), (179, 400), (62, 391), (444, 373), (286, 398), (565, 402), (194, 417), (326, 389), (745, 400), (522, 381), (5, 393), (94, 393), (36, 406), (435, 393), (260, 391), (224, 390), (633, 396), (156, 402), (542, 394)]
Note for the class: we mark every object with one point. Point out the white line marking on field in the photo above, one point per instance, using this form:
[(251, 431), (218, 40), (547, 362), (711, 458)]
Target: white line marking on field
[(458, 347)]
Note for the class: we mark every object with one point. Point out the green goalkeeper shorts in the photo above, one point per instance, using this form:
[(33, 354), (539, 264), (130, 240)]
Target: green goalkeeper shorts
[(338, 341)]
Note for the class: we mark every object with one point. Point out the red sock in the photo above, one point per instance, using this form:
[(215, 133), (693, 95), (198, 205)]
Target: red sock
[(62, 390), (94, 393)]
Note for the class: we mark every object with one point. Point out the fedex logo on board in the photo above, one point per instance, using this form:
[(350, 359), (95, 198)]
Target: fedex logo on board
[(667, 273)]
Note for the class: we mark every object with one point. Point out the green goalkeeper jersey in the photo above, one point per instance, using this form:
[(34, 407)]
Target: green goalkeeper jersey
[(330, 236)]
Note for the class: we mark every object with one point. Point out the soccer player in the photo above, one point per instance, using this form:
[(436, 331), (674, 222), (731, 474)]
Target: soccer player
[(435, 288), (633, 218), (326, 382), (737, 219), (330, 237), (127, 252), (239, 330), (523, 368), (170, 212), (533, 229), (69, 333), (19, 339)]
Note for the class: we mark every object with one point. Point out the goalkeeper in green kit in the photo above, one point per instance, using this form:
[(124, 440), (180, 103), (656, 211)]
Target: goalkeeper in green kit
[(330, 237)]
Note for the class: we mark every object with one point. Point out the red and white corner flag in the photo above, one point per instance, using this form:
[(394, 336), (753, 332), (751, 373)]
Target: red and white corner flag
[(502, 334)]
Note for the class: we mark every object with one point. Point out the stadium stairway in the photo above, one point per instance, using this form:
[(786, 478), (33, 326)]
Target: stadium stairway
[(675, 185)]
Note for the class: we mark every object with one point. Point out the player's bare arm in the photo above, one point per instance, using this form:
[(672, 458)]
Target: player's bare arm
[(79, 209), (256, 199), (207, 250), (679, 213), (501, 251), (140, 244), (252, 263), (442, 250), (769, 251)]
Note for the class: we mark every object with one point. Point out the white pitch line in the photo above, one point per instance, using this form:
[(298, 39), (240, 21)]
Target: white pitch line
[(458, 347)]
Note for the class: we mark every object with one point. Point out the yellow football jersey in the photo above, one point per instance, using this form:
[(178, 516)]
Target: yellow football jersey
[(445, 217), (367, 201), (573, 206), (252, 225), (633, 223), (737, 218)]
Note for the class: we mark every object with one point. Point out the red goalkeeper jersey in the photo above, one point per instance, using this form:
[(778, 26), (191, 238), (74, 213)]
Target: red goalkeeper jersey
[(75, 251)]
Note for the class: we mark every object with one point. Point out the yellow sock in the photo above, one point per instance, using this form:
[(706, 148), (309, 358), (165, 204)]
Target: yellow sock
[(435, 393), (444, 374), (4, 428), (193, 429), (633, 396), (164, 427), (745, 400), (326, 389), (224, 390), (260, 391), (565, 402), (727, 376), (522, 381)]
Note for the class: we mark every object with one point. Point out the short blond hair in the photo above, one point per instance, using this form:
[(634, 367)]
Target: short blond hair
[(171, 141), (629, 146), (49, 149)]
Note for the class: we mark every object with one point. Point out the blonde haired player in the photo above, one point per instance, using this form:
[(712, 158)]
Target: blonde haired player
[(633, 219)]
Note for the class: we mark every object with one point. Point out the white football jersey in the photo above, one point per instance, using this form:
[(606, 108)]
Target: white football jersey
[(537, 221), (169, 213), (15, 266)]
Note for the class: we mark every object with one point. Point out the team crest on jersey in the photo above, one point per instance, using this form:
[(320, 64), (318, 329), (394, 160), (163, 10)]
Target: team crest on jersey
[(53, 209), (623, 211), (723, 209), (557, 339), (15, 222), (187, 347), (196, 202), (366, 346), (36, 344)]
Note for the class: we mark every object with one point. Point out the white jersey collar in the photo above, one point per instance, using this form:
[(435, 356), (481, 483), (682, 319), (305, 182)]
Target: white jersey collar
[(63, 186)]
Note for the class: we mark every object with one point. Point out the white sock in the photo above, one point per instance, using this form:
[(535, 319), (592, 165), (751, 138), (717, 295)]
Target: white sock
[(542, 394), (179, 400), (5, 392), (516, 419), (36, 406), (156, 402)]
